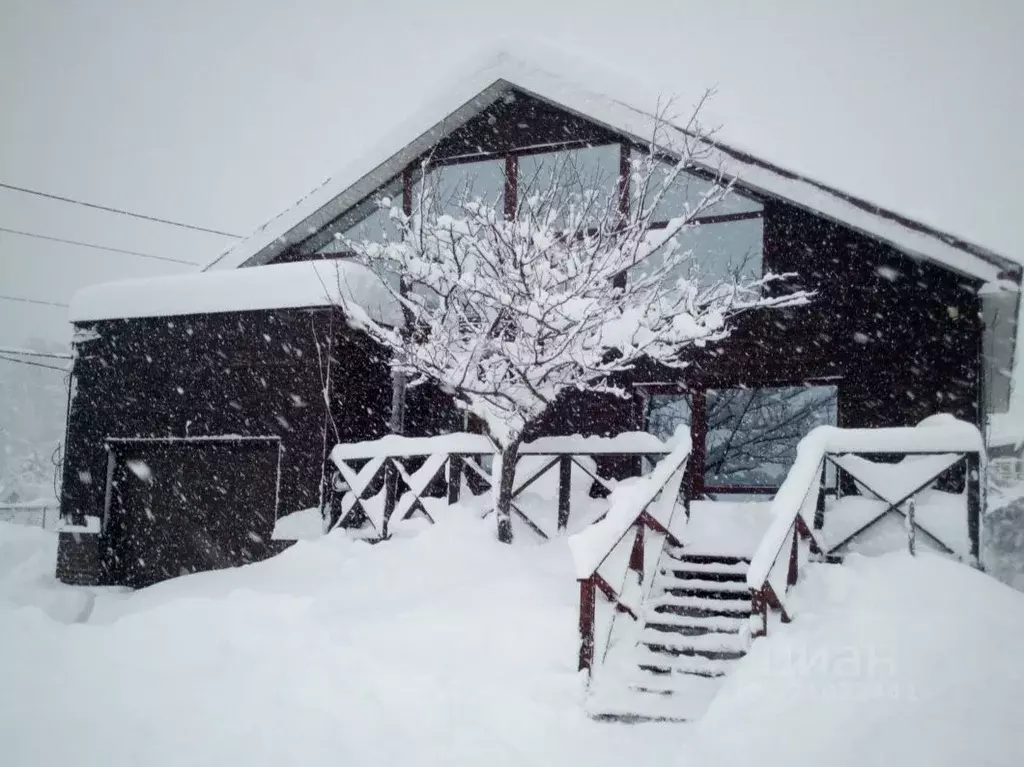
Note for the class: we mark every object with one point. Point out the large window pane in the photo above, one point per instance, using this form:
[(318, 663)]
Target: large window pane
[(684, 195), (1000, 313), (752, 433), (572, 173), (449, 187), (366, 222), (713, 253)]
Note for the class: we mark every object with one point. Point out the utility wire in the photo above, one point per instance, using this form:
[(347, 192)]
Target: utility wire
[(32, 301), (118, 211), (97, 247), (34, 364), (29, 353)]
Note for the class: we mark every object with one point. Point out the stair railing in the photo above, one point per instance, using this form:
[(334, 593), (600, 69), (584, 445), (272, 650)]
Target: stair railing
[(798, 509), (618, 555), (775, 565)]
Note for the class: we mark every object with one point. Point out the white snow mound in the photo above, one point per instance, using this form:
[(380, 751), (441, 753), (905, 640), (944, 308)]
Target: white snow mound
[(448, 648)]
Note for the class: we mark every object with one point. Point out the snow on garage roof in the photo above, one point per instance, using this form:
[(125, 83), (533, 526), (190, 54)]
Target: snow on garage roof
[(498, 73), (278, 286)]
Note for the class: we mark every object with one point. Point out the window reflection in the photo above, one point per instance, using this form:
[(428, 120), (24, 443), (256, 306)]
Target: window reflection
[(449, 187), (709, 254), (752, 434), (585, 169), (366, 222), (684, 195)]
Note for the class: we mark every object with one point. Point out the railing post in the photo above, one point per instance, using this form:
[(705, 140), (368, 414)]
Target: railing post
[(454, 478), (794, 560), (972, 482), (390, 494), (564, 490), (911, 533), (636, 556), (588, 594), (759, 609), (819, 509)]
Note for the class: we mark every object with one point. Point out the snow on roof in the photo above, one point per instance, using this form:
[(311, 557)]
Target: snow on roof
[(278, 286), (497, 73)]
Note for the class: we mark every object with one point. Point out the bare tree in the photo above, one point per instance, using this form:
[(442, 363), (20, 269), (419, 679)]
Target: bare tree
[(508, 309)]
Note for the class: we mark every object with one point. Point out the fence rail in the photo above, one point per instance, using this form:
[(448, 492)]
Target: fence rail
[(43, 515), (396, 478)]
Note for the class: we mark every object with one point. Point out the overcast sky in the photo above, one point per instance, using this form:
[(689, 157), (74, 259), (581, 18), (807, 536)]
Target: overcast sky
[(222, 113)]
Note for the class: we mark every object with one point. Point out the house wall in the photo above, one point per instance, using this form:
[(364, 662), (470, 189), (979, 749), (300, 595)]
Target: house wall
[(244, 373), (900, 338)]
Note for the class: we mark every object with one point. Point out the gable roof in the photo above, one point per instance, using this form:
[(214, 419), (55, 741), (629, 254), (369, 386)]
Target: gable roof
[(502, 72)]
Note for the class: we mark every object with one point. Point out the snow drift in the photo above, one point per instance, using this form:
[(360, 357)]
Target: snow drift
[(449, 648)]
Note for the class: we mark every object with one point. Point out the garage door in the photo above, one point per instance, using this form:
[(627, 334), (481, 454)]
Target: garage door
[(183, 506)]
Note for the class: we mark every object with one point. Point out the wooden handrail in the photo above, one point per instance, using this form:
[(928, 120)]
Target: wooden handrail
[(938, 435), (592, 547)]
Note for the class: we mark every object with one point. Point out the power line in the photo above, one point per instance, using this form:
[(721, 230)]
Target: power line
[(29, 353), (34, 364), (33, 301), (97, 247), (118, 211)]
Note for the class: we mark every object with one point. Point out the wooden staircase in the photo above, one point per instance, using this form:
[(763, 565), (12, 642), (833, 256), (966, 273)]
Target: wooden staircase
[(693, 630)]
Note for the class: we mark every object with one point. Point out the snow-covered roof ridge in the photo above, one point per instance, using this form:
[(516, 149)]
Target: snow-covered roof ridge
[(278, 286), (557, 78)]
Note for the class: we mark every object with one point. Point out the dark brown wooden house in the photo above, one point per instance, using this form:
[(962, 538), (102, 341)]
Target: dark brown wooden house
[(905, 322)]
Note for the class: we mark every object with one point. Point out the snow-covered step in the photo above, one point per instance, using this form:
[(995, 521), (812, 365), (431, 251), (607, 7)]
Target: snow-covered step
[(682, 555), (685, 700), (700, 605), (694, 644), (681, 571), (703, 584), (714, 568), (662, 663), (722, 623)]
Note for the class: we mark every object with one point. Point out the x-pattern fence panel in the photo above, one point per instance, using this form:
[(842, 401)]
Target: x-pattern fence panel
[(898, 484), (419, 468)]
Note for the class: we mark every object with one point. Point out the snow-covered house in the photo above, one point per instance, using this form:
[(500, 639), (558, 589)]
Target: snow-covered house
[(219, 376)]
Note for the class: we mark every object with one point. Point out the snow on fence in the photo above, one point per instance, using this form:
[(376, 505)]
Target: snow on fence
[(619, 554), (929, 451), (569, 455), (404, 475), (34, 514), (372, 472)]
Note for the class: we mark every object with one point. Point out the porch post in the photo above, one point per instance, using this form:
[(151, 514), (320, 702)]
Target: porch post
[(972, 482), (564, 488), (698, 435), (588, 594)]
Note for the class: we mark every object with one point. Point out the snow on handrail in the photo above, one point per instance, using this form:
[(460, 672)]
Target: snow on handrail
[(628, 501), (397, 446), (627, 443), (940, 433)]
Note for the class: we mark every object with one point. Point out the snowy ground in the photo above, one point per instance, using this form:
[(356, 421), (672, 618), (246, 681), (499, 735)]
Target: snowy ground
[(448, 648)]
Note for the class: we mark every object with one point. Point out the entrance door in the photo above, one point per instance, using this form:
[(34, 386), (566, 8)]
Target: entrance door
[(183, 506)]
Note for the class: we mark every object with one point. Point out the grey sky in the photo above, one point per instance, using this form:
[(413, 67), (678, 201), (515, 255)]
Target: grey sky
[(223, 113)]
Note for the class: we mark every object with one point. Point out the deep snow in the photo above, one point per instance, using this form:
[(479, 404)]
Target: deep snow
[(448, 648)]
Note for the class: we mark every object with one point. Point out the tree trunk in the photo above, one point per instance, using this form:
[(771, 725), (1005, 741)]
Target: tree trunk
[(503, 508)]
